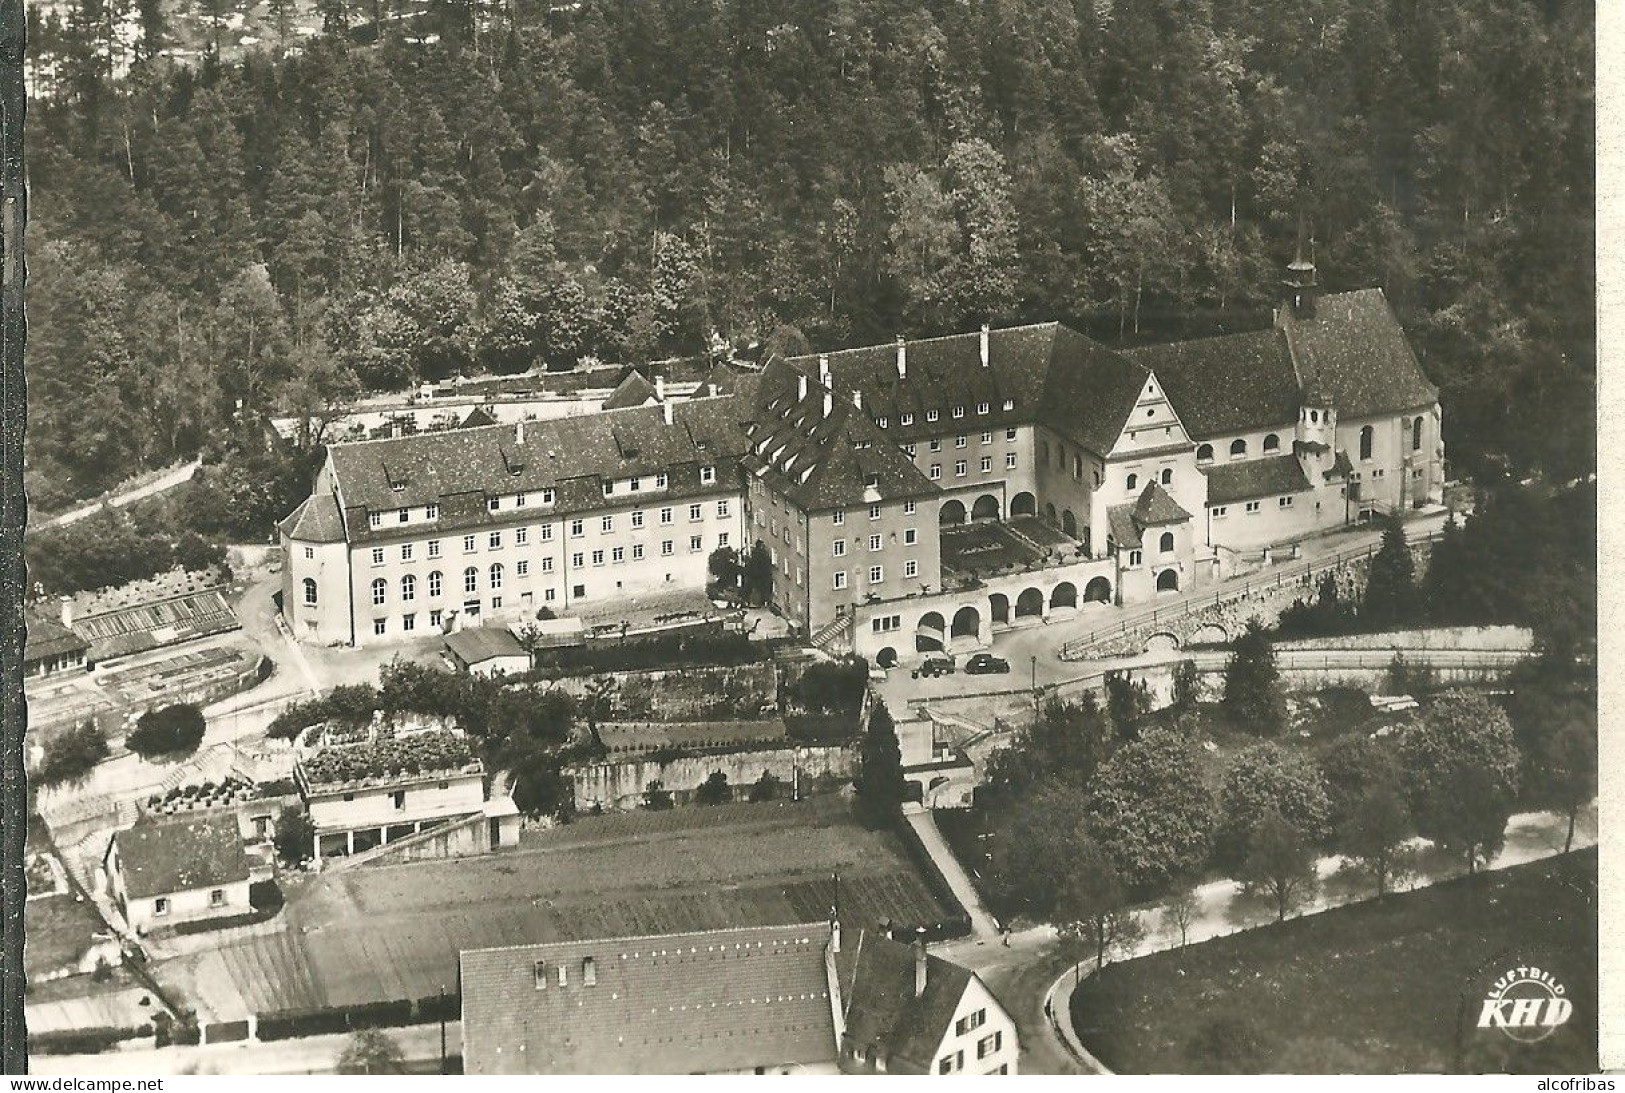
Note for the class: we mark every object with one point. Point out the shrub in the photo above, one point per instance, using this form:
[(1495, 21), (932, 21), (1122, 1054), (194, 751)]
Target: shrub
[(78, 1041), (170, 730), (72, 754), (766, 788), (714, 790), (295, 835)]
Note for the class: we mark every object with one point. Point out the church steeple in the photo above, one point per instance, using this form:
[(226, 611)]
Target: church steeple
[(1301, 283)]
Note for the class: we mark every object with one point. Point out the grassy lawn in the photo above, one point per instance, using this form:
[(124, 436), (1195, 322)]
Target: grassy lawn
[(1373, 988), (389, 932), (59, 932)]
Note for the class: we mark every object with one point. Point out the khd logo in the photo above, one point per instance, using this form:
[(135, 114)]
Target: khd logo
[(1525, 1003)]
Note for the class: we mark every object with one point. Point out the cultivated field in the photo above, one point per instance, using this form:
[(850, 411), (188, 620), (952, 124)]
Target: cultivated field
[(381, 933), (1386, 987)]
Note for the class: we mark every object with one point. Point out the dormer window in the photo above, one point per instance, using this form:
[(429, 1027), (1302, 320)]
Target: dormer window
[(931, 415), (1009, 404), (375, 519), (905, 419), (540, 971), (660, 480), (519, 501), (403, 515), (636, 484), (708, 474), (871, 480), (883, 422), (493, 503), (959, 411), (397, 487), (432, 512), (547, 497), (981, 407), (589, 972)]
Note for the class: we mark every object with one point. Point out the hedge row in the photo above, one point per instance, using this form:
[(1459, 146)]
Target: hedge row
[(293, 1023), (82, 1041)]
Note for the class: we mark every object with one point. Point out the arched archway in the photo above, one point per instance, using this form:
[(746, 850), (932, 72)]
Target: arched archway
[(1065, 595), (986, 508), (1049, 514), (931, 633), (1162, 643), (1023, 504), (967, 622), (1098, 590), (1209, 634), (998, 608), (1069, 523), (1168, 581), (952, 513), (887, 657), (1029, 603)]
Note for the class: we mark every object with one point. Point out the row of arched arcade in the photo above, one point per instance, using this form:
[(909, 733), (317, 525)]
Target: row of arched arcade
[(971, 625)]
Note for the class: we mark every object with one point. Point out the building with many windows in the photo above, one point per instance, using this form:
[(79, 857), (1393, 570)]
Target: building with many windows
[(913, 496)]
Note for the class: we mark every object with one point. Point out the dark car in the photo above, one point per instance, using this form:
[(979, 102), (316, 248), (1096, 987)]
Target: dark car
[(986, 664), (935, 666)]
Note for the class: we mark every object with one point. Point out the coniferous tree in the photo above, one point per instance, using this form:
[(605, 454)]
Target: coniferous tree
[(1253, 697)]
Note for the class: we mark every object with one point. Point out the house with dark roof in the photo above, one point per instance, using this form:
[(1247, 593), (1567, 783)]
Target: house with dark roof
[(754, 1000), (907, 1011), (487, 651), (185, 868), (51, 646), (914, 496)]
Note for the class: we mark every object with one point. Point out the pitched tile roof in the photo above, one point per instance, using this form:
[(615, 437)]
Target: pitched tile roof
[(1049, 373), (1156, 507), (825, 460), (478, 643), (477, 418), (634, 390), (1352, 353), (157, 858), (1227, 384), (673, 1004), (882, 1011), (47, 637), (316, 520), (460, 468), (1254, 478)]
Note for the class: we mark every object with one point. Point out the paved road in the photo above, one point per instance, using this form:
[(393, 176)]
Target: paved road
[(983, 926), (166, 481)]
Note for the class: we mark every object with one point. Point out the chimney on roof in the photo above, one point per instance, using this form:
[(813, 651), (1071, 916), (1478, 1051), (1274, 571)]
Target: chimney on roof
[(660, 388), (902, 358), (665, 411), (823, 369), (66, 605), (986, 330), (801, 386), (834, 932), (919, 964), (829, 402), (519, 432), (857, 398)]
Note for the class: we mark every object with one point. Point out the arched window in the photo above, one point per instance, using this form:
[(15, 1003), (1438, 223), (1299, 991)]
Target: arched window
[(409, 588), (434, 584), (496, 574), (1204, 453), (1166, 543), (1416, 435), (1133, 480), (1272, 443), (378, 591), (310, 591), (1314, 417), (471, 579), (1366, 435), (1167, 476), (1238, 448)]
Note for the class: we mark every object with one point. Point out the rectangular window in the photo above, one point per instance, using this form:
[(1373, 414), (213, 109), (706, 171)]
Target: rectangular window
[(637, 551), (432, 512), (722, 508), (1135, 558), (637, 484), (1252, 508), (874, 512), (493, 503), (217, 897), (1285, 502), (547, 495), (617, 554), (877, 574), (840, 578), (874, 542), (310, 552), (160, 906), (840, 548), (547, 533), (931, 415), (935, 472), (883, 421), (598, 557), (1220, 512), (665, 548), (660, 480), (960, 441), (577, 560), (403, 515), (378, 626), (1009, 461), (434, 617), (609, 488), (987, 463), (1009, 434), (936, 444), (377, 555), (959, 468), (375, 519), (694, 512), (665, 516), (409, 622), (989, 1045), (945, 1065), (578, 528), (910, 536), (838, 517), (905, 419), (468, 544), (521, 536), (637, 519), (708, 475), (981, 407), (547, 565), (908, 508), (694, 543), (607, 524), (522, 567), (519, 501), (434, 548), (987, 437), (494, 540), (911, 568)]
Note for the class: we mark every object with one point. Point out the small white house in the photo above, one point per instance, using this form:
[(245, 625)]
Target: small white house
[(487, 651), (165, 872)]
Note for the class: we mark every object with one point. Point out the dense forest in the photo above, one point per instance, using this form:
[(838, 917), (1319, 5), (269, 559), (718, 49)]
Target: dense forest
[(630, 179)]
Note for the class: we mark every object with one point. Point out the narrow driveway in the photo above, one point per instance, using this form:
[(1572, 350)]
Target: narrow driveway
[(983, 925), (166, 481)]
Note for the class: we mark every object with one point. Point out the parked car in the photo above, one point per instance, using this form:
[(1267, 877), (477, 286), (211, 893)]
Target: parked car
[(986, 664), (935, 666)]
